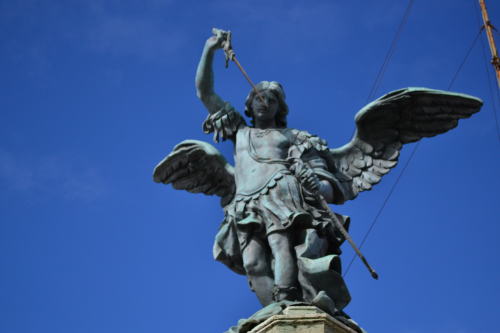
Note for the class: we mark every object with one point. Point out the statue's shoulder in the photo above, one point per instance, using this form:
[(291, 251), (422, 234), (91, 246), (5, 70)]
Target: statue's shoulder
[(224, 123)]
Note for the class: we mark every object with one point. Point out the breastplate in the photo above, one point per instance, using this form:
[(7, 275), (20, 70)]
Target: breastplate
[(259, 155)]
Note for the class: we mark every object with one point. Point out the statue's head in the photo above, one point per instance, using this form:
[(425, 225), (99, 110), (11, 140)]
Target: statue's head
[(276, 90)]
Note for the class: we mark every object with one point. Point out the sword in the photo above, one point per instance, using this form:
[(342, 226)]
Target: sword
[(303, 168), (346, 235)]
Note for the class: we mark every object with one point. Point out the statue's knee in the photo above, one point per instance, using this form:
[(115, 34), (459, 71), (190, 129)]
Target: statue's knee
[(279, 243)]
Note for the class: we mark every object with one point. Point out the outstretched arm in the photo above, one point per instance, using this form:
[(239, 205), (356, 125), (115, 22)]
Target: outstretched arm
[(205, 76)]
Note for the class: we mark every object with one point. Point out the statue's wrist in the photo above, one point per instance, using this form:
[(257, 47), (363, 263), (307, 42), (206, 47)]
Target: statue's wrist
[(211, 47)]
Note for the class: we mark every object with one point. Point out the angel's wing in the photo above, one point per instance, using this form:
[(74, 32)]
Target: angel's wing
[(383, 126), (197, 167)]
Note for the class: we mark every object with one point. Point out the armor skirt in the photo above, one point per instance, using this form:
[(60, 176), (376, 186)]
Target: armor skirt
[(279, 205)]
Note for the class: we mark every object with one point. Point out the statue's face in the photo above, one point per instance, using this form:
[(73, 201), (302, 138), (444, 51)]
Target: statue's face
[(265, 107)]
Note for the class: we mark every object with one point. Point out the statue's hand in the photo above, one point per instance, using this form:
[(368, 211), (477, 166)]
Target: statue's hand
[(309, 180), (217, 40), (306, 176)]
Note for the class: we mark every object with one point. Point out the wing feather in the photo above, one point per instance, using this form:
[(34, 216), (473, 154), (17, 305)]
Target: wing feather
[(385, 125), (197, 167)]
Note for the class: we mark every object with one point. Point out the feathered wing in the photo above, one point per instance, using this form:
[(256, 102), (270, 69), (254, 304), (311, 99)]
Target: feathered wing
[(197, 167), (385, 125)]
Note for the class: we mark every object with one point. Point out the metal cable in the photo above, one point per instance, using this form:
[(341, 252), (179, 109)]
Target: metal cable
[(376, 85), (465, 58), (383, 204), (390, 52), (412, 154)]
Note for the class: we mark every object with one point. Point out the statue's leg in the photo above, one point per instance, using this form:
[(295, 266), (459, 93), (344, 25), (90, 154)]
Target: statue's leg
[(285, 266), (256, 261)]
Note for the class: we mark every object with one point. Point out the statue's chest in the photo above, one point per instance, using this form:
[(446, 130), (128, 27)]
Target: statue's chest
[(259, 156), (263, 144)]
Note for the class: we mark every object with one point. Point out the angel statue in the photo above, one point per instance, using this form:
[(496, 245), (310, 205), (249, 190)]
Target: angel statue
[(275, 229)]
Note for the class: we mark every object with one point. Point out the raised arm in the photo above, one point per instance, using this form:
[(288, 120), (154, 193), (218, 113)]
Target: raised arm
[(205, 76)]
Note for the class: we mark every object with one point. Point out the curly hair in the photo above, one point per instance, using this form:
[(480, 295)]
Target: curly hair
[(277, 90)]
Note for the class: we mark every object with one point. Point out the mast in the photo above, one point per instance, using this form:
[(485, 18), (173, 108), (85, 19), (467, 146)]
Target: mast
[(495, 61)]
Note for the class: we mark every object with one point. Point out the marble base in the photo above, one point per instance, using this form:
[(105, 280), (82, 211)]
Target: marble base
[(302, 319)]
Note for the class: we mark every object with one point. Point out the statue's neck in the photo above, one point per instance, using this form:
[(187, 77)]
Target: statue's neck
[(263, 124)]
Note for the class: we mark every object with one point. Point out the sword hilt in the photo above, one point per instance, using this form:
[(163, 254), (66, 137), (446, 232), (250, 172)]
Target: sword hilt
[(226, 44), (228, 49)]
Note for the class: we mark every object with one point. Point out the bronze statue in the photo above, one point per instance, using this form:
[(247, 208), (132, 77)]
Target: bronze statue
[(276, 230)]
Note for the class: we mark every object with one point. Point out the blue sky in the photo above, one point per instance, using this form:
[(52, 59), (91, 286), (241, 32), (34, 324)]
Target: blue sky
[(94, 93)]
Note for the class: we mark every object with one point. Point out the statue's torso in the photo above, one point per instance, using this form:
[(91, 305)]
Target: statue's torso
[(259, 155)]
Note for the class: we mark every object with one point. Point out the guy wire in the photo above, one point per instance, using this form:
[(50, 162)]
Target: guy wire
[(417, 144), (390, 52), (373, 90)]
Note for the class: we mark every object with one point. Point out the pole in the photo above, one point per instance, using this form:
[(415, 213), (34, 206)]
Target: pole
[(495, 61)]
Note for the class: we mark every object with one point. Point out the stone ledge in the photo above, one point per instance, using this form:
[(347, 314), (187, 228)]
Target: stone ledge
[(302, 319)]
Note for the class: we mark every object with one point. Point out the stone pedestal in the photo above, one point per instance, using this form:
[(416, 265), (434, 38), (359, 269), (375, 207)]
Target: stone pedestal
[(302, 319)]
